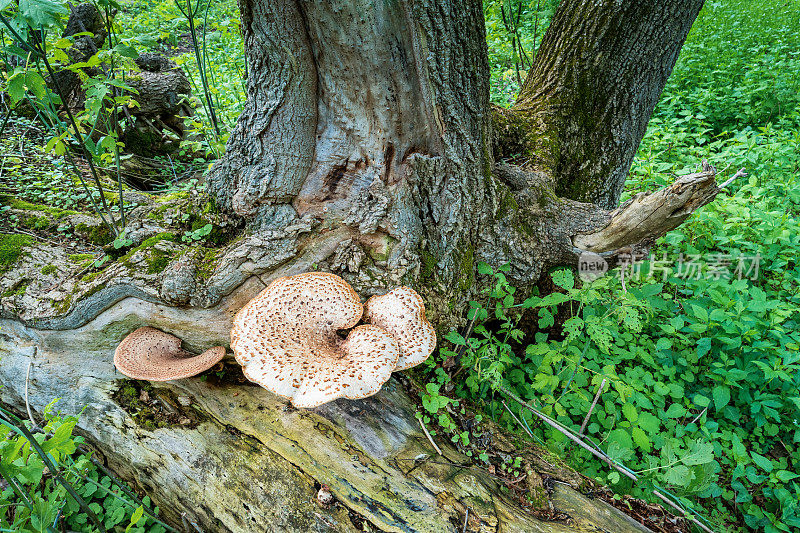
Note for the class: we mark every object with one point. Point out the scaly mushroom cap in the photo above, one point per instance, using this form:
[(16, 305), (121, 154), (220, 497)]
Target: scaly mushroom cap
[(153, 355), (401, 312), (285, 339)]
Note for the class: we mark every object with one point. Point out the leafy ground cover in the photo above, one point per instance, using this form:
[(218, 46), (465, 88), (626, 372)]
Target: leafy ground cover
[(53, 485), (698, 351)]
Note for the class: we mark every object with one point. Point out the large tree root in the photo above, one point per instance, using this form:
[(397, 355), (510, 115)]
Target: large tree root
[(244, 460)]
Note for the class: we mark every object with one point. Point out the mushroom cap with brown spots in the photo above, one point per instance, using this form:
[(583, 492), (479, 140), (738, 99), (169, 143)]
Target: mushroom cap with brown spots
[(150, 354), (401, 312), (286, 341)]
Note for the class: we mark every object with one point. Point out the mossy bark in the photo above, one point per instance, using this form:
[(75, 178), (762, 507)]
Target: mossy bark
[(590, 92)]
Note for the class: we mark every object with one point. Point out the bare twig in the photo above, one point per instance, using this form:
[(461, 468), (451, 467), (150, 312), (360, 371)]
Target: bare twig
[(739, 174), (597, 453), (528, 431), (27, 382), (466, 517), (679, 508), (698, 416), (594, 403), (427, 434), (35, 236)]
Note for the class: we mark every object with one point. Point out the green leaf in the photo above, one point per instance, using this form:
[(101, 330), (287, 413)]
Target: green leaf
[(484, 269), (563, 278), (700, 313), (678, 475), (546, 318), (126, 50), (455, 338), (553, 298), (661, 389), (620, 444), (630, 412), (641, 439), (675, 411), (701, 401), (36, 84), (649, 423), (16, 87), (721, 395), (700, 453), (42, 13), (785, 475), (532, 301), (763, 463)]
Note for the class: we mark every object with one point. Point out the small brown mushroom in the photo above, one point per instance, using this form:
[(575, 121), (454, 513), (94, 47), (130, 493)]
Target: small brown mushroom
[(286, 341), (401, 312), (152, 355)]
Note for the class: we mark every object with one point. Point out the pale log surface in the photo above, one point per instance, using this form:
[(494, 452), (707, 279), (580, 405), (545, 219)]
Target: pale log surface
[(250, 462)]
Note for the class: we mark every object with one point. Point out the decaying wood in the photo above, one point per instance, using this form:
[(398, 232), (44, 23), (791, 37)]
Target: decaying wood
[(156, 123), (241, 459), (647, 216)]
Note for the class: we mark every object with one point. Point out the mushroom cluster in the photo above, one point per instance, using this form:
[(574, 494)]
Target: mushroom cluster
[(287, 339)]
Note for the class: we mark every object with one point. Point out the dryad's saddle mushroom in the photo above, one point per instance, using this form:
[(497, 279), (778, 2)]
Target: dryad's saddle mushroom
[(401, 312), (286, 341), (151, 354)]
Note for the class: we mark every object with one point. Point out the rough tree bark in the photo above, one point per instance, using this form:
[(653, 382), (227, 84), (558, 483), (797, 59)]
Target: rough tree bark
[(588, 97), (367, 148)]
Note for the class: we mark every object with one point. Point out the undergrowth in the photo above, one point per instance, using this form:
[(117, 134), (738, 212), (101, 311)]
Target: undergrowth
[(697, 352), (49, 484)]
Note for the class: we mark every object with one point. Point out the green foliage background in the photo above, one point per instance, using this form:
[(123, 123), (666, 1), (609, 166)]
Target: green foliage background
[(701, 396)]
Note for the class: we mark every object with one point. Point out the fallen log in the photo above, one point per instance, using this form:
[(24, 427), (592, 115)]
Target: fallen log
[(234, 457)]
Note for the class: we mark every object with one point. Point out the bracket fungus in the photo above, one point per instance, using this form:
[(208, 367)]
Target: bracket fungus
[(401, 312), (286, 341), (150, 354)]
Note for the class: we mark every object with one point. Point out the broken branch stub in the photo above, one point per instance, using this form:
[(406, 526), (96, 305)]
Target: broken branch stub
[(646, 217)]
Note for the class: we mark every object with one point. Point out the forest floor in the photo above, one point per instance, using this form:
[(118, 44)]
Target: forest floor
[(695, 350)]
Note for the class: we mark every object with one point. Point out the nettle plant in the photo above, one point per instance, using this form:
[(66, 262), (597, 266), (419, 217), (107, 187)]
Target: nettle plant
[(696, 385), (36, 61)]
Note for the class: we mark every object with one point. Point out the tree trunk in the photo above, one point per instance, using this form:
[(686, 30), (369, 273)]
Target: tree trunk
[(368, 117), (588, 97), (365, 149)]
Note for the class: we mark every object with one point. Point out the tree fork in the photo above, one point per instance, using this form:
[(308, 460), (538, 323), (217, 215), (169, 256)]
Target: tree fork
[(585, 103)]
